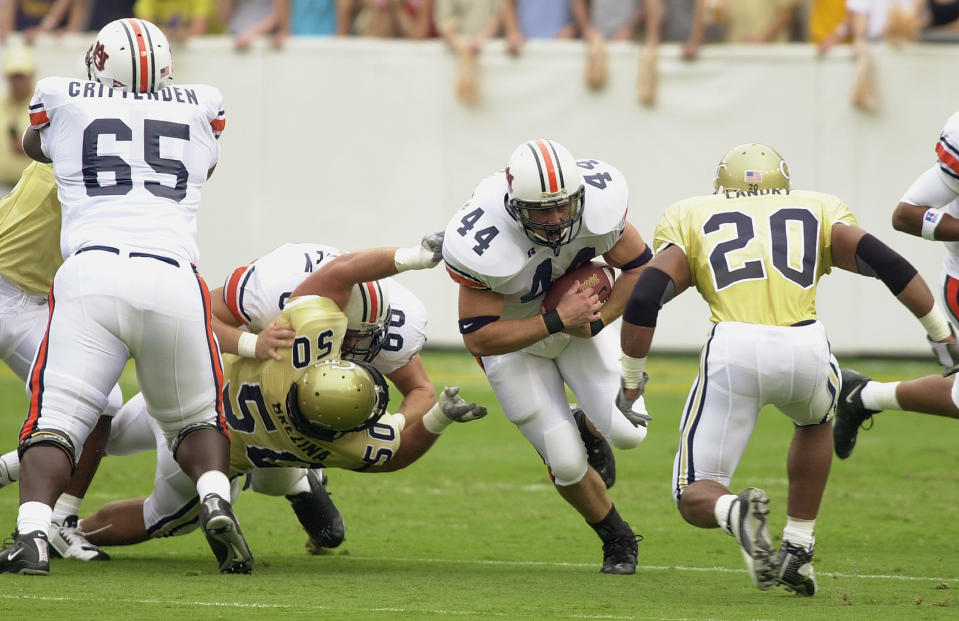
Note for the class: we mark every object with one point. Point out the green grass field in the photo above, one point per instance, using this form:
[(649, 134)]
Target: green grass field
[(475, 531)]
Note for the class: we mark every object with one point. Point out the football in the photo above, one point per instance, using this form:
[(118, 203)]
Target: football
[(594, 274)]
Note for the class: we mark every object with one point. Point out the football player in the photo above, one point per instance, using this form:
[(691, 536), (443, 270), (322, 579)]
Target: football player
[(929, 209), (128, 286), (522, 229), (755, 250), (309, 409), (29, 257), (386, 326)]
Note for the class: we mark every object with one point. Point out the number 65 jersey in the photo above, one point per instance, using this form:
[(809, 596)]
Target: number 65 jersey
[(129, 166), (486, 249), (756, 258)]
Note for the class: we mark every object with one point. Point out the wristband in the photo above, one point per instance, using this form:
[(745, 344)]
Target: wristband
[(246, 345), (936, 324), (435, 421), (632, 370), (553, 323), (595, 326), (930, 221)]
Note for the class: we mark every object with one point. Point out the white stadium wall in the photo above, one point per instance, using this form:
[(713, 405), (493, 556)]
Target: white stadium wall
[(359, 143)]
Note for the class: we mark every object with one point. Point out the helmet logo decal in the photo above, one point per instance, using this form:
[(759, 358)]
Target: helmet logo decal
[(753, 176), (99, 56)]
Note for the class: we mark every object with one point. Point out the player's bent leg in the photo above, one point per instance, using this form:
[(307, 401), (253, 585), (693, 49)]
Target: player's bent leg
[(599, 454), (117, 523)]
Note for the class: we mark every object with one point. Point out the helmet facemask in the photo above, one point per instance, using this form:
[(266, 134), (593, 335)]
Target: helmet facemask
[(544, 181), (551, 234), (367, 320)]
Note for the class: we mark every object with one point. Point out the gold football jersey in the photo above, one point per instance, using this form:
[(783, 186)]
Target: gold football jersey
[(30, 230), (254, 403), (756, 257)]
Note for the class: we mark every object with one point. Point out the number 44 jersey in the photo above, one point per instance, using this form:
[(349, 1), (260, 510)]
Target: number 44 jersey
[(756, 258), (140, 158), (486, 249)]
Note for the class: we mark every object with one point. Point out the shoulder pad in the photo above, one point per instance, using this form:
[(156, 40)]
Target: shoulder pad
[(607, 197), (482, 240)]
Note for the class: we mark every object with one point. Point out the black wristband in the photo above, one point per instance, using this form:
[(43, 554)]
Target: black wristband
[(595, 326), (553, 323)]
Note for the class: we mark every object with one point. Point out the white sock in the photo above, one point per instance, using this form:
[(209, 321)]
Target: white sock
[(34, 516), (799, 532), (880, 396), (299, 486), (213, 482), (66, 506), (721, 510)]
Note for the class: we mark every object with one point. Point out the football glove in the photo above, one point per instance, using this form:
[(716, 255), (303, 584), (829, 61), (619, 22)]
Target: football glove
[(458, 409), (627, 406), (947, 354), (428, 254)]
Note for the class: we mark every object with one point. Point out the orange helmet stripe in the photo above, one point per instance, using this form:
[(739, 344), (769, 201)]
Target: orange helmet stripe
[(140, 37), (550, 166)]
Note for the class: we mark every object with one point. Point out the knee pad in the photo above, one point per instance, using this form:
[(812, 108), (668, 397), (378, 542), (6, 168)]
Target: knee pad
[(183, 433), (565, 454), (50, 437)]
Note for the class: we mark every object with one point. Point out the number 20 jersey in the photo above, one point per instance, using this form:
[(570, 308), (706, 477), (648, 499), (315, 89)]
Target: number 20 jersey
[(486, 249), (129, 166), (756, 258)]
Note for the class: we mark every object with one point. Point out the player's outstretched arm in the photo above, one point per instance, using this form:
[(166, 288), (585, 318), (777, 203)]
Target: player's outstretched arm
[(419, 435), (855, 250)]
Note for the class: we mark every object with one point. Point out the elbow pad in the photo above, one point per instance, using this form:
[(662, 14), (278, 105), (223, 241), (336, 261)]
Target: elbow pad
[(876, 259), (653, 289)]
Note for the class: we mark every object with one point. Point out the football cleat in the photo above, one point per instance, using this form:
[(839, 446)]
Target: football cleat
[(68, 541), (318, 515), (794, 569), (224, 536), (747, 522), (621, 552), (850, 413), (599, 454), (26, 554)]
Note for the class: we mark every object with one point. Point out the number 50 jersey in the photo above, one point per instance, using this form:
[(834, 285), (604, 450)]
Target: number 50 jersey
[(756, 258), (129, 166)]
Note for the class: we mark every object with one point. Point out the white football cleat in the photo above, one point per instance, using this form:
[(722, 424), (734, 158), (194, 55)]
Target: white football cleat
[(68, 541)]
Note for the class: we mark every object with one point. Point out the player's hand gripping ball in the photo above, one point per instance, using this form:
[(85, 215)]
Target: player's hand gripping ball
[(594, 274)]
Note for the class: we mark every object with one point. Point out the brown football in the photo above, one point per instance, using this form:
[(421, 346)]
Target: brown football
[(594, 274)]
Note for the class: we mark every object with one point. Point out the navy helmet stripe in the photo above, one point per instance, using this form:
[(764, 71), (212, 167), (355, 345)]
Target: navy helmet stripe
[(539, 166)]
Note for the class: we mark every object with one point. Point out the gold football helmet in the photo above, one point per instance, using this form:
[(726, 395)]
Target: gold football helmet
[(337, 396), (751, 167)]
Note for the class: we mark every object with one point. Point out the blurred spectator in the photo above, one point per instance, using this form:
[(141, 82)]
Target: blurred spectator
[(828, 24), (18, 69), (610, 19), (248, 19), (941, 21), (179, 19), (407, 19), (537, 19), (466, 25), (759, 21), (35, 17)]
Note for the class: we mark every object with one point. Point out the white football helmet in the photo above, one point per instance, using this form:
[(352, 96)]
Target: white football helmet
[(543, 176), (337, 396), (132, 55), (367, 317)]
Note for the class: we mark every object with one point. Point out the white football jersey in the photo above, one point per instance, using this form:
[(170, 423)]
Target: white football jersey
[(257, 293), (485, 248), (129, 166)]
